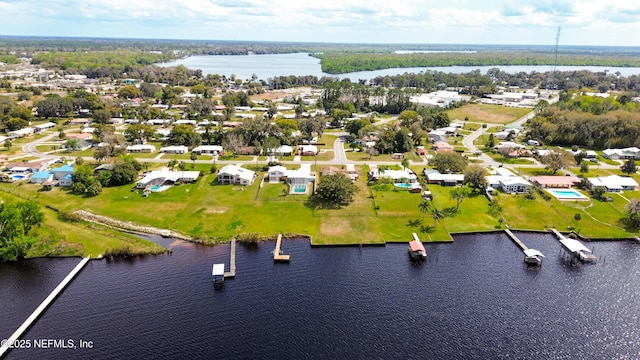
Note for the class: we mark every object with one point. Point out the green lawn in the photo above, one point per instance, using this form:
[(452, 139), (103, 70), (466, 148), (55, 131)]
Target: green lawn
[(488, 113)]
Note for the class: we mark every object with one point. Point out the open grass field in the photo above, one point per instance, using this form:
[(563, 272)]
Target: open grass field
[(63, 238), (496, 114), (216, 213)]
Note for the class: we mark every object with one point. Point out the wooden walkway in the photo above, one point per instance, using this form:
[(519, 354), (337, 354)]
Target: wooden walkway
[(515, 239), (277, 253), (43, 306), (232, 261)]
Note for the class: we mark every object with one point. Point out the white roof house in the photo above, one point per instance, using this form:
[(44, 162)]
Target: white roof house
[(161, 177), (508, 182), (47, 125), (282, 150), (208, 149), (141, 148), (308, 150), (613, 183), (406, 176), (437, 98), (232, 174), (626, 153), (176, 149), (20, 133)]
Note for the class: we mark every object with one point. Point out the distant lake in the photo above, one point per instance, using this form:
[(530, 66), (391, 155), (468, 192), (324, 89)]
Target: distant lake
[(301, 64)]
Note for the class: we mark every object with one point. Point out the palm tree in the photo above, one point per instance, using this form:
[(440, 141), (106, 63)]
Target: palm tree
[(424, 206), (172, 164), (405, 163), (437, 216)]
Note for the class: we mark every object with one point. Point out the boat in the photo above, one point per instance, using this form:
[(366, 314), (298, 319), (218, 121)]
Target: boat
[(218, 275), (533, 257), (416, 249)]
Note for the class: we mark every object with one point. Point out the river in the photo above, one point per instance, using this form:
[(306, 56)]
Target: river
[(472, 299), (301, 64)]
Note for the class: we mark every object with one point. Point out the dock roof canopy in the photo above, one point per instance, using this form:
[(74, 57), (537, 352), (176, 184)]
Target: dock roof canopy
[(574, 245), (218, 270), (416, 245), (533, 252)]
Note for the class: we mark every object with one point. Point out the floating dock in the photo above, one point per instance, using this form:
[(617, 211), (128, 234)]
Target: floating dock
[(43, 306), (575, 248), (231, 274), (531, 256), (278, 256)]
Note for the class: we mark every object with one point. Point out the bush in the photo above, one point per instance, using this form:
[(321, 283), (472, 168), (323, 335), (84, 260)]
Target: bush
[(577, 217), (213, 169)]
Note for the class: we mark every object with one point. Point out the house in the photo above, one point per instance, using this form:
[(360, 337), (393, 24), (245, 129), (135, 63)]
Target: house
[(20, 133), (164, 177), (440, 98), (31, 166), (102, 167), (622, 154), (397, 176), (437, 135), (276, 173), (178, 149), (420, 150), (283, 150), (300, 179), (613, 183), (308, 150), (66, 180), (41, 177), (232, 174), (397, 156), (81, 136), (435, 177), (556, 182), (442, 146), (80, 145), (349, 172), (208, 149), (132, 121), (185, 122), (154, 122), (246, 150), (41, 127), (508, 182), (116, 121), (141, 148), (79, 122), (62, 171)]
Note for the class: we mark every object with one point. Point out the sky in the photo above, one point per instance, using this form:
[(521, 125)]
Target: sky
[(526, 22)]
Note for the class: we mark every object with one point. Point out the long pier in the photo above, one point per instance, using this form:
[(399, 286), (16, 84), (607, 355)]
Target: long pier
[(231, 274), (277, 253), (43, 306), (515, 239)]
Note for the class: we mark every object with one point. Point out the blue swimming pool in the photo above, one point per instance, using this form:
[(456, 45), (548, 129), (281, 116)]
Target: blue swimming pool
[(403, 186), (156, 187), (16, 177), (567, 194), (300, 189)]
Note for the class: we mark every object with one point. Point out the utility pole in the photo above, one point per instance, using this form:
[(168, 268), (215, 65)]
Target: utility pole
[(551, 85)]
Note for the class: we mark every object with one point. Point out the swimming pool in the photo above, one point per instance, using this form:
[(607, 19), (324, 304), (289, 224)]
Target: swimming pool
[(299, 189), (156, 187), (567, 194), (16, 177)]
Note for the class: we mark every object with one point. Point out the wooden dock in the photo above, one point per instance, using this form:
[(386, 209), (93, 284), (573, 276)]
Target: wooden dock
[(575, 248), (231, 274), (515, 239), (43, 306), (277, 253)]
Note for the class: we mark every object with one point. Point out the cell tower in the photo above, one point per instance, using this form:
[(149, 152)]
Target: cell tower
[(551, 84)]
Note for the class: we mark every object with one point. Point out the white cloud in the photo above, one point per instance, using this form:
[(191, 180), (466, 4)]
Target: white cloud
[(456, 21)]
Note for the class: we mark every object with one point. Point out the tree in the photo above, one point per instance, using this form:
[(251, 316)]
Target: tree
[(437, 215), (491, 142), (336, 190), (475, 177), (424, 207), (71, 144), (7, 144), (459, 194), (371, 151), (93, 187), (16, 124), (16, 222), (184, 135), (129, 92), (629, 167), (123, 173), (101, 116), (633, 209), (584, 168), (556, 161), (193, 158), (172, 164), (448, 162), (139, 132), (405, 163)]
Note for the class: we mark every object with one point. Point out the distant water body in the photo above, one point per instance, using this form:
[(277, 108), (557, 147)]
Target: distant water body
[(301, 64), (472, 299)]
